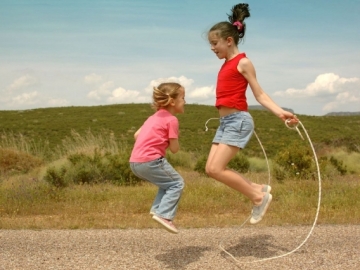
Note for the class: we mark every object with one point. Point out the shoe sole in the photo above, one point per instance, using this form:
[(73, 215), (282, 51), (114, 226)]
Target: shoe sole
[(166, 226), (152, 213), (253, 221)]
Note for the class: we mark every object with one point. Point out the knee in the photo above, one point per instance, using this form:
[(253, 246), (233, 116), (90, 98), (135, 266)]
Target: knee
[(212, 171), (180, 185)]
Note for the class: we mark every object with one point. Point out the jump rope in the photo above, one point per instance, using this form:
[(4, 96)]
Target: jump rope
[(294, 127)]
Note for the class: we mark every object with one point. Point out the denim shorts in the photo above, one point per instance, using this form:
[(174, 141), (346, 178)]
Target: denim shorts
[(235, 129)]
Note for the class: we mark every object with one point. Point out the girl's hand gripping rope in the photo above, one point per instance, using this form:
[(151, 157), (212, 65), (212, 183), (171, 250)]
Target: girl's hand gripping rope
[(291, 124)]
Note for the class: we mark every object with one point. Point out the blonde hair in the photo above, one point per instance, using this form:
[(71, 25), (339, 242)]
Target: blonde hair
[(164, 93)]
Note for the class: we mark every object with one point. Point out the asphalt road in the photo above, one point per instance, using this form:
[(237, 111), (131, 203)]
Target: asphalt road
[(329, 247)]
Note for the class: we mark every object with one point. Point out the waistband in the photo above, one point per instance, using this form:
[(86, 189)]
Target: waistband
[(241, 113)]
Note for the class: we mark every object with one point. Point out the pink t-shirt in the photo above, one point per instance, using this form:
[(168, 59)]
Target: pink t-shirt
[(154, 136)]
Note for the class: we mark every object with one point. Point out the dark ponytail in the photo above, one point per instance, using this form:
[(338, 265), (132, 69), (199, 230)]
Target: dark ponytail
[(239, 13), (236, 26)]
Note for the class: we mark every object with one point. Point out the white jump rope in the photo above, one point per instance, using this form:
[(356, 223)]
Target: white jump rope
[(295, 127)]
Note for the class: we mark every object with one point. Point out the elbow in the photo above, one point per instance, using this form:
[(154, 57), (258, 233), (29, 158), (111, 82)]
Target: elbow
[(174, 150)]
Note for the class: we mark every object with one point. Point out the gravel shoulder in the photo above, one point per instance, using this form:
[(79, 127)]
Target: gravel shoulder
[(329, 247)]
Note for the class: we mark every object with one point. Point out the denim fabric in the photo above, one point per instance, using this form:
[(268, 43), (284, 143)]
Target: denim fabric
[(235, 129), (170, 183)]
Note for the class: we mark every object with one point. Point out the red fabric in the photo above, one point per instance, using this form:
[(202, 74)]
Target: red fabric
[(231, 85)]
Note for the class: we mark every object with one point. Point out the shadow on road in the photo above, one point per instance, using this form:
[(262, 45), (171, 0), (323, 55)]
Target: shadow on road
[(179, 258), (259, 246)]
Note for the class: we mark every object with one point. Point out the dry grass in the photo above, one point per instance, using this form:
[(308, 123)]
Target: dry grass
[(28, 203)]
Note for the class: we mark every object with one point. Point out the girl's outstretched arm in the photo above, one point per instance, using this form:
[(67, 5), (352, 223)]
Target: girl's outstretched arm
[(246, 68)]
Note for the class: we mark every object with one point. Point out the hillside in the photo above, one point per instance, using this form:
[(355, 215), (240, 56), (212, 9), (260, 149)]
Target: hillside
[(342, 113), (54, 124)]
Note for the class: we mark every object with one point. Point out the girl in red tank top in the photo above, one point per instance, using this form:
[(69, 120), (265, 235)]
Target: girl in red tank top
[(236, 124)]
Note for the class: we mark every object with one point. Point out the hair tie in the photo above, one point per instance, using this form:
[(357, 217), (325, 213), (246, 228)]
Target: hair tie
[(238, 25)]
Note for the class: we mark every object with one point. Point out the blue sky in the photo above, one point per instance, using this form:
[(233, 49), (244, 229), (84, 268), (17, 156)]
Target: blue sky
[(87, 53)]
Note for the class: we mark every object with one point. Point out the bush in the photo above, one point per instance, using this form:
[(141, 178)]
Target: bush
[(339, 165), (259, 165), (56, 177), (239, 163), (15, 161), (296, 161), (97, 168), (200, 165), (328, 170), (180, 159)]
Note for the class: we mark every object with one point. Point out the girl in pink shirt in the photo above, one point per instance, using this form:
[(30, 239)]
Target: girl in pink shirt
[(147, 161), (236, 124)]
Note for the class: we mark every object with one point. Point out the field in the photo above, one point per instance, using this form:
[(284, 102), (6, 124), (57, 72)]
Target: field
[(52, 125), (33, 141)]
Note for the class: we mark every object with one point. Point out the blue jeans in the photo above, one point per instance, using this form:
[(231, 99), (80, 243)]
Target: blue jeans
[(170, 183)]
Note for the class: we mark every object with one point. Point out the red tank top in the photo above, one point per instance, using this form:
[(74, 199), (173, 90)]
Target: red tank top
[(231, 85)]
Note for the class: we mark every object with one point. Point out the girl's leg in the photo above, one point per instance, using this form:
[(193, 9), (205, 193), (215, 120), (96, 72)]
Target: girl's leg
[(256, 186), (219, 157), (170, 183), (169, 180), (157, 200)]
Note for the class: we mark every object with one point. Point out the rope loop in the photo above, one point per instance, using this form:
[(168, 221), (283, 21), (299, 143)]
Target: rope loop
[(294, 127)]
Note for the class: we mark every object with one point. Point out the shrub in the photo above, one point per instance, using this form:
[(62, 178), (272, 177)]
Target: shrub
[(339, 165), (351, 159), (239, 163), (258, 164), (296, 161), (180, 159), (22, 144), (327, 169), (14, 161), (96, 168), (200, 165), (56, 177)]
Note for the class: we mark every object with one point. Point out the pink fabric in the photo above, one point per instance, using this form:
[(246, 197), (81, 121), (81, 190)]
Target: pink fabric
[(238, 25), (231, 85), (154, 136)]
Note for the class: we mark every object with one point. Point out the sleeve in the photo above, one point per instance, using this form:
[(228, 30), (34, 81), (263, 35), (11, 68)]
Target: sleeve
[(173, 128)]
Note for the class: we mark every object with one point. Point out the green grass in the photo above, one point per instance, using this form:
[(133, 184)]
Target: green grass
[(32, 141), (29, 203), (50, 126)]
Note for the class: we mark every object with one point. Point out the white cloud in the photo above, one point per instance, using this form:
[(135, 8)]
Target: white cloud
[(107, 93), (343, 102), (23, 82), (202, 93), (102, 92), (120, 95), (25, 99), (185, 82), (92, 78), (192, 95), (324, 84), (330, 92), (58, 102)]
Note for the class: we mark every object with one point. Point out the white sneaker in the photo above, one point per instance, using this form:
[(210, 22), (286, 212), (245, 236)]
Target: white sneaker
[(169, 226), (259, 211)]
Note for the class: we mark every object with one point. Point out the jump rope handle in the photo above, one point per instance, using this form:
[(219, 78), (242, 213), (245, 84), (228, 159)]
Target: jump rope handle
[(294, 126)]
